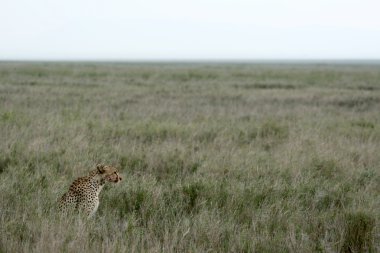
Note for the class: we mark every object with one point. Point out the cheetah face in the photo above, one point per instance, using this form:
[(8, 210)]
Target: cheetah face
[(109, 173)]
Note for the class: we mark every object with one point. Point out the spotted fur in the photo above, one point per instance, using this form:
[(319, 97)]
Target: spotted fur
[(83, 194)]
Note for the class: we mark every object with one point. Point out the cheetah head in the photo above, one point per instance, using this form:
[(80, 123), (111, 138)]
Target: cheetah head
[(108, 173)]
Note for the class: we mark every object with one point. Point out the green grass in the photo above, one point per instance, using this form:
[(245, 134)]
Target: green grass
[(215, 157)]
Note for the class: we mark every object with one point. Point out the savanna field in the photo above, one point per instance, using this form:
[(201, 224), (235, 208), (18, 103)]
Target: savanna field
[(214, 157)]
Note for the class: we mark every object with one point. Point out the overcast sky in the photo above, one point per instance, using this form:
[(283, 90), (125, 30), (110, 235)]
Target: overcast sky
[(193, 29)]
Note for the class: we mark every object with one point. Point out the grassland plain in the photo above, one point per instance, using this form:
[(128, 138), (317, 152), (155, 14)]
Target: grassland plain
[(215, 157)]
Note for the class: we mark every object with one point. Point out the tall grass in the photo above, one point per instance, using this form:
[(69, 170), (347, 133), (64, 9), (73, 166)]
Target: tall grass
[(216, 158)]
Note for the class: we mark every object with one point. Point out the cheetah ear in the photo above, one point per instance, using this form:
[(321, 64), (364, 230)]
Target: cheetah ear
[(100, 168)]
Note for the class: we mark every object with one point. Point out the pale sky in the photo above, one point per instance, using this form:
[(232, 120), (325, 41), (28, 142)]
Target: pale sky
[(189, 30)]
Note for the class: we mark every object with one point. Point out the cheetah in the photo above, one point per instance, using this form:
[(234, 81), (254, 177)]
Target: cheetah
[(83, 194)]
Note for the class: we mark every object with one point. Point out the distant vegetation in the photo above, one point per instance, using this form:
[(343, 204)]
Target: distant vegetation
[(215, 157)]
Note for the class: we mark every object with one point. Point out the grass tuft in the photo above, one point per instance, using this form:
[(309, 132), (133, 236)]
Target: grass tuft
[(358, 233), (327, 169)]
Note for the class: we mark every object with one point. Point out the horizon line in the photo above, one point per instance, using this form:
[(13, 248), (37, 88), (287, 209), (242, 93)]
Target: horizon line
[(200, 60)]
